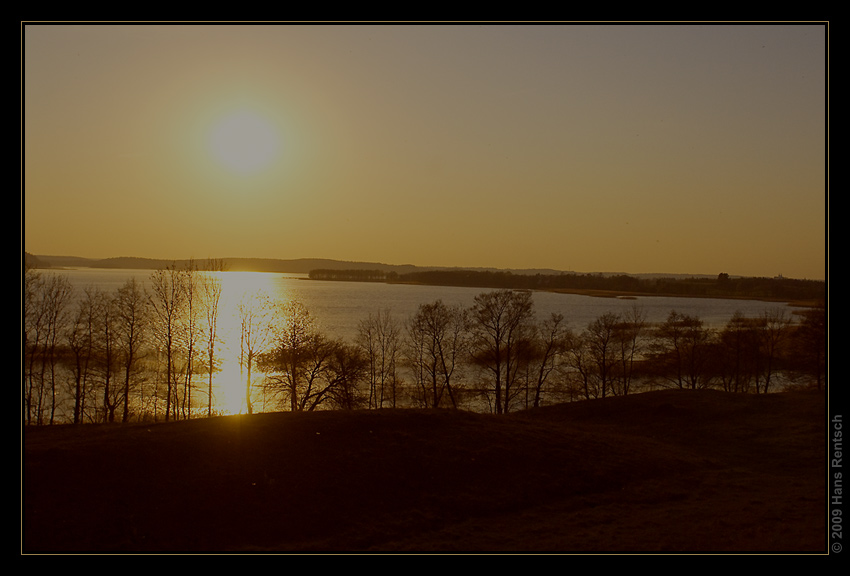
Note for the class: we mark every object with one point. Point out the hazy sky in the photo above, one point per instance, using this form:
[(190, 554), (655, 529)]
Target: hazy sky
[(632, 148)]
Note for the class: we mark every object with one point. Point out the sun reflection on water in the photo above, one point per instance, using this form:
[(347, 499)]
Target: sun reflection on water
[(240, 292)]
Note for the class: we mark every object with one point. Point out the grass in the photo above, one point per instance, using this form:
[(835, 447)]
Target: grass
[(671, 471)]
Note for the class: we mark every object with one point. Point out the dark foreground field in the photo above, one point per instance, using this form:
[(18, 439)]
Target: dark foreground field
[(662, 471)]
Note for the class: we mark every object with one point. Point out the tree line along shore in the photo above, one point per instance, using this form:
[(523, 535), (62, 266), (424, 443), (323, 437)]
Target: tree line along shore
[(800, 292), (151, 353)]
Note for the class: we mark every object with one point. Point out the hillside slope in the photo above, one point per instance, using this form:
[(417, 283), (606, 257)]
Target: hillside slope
[(661, 471)]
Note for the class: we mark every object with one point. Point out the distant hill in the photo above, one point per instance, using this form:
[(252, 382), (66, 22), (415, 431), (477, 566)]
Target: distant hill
[(44, 261), (32, 261), (293, 266), (304, 265)]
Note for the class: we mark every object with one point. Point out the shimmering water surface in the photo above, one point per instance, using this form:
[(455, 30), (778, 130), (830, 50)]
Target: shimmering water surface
[(339, 307)]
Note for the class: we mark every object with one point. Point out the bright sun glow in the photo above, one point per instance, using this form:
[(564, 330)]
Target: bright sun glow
[(244, 142)]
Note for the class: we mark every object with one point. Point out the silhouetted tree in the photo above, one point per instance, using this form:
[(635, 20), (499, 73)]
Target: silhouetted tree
[(132, 319), (579, 368), (809, 340), (190, 333), (628, 340), (306, 369), (737, 351), (211, 286), (33, 327), (347, 367), (167, 299), (296, 351), (437, 342), (600, 339), (107, 353), (80, 339), (255, 317), (682, 350), (309, 383), (551, 341), (501, 321), (379, 336), (46, 316), (775, 330)]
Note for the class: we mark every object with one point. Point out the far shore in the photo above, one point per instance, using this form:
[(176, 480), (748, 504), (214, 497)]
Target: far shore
[(624, 295), (634, 295), (304, 267)]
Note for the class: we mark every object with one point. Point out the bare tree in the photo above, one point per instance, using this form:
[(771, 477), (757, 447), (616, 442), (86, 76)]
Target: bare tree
[(255, 316), (167, 301), (35, 333), (600, 340), (46, 316), (132, 309), (107, 354), (437, 342), (628, 338), (578, 368), (775, 332), (310, 382), (303, 367), (189, 334), (549, 345), (347, 367), (810, 344), (92, 341), (212, 287), (681, 350), (500, 324), (379, 337), (297, 349), (737, 350), (81, 346), (315, 373), (59, 296)]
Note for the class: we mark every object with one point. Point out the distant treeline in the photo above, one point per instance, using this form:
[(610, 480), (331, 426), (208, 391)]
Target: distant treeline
[(352, 275), (723, 286)]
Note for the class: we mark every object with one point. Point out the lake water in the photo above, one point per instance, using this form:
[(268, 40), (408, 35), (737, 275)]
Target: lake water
[(338, 307)]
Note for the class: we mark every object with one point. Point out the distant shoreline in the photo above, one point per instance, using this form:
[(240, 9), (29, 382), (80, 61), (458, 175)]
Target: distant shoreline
[(802, 293), (305, 265), (635, 295), (622, 295), (794, 292)]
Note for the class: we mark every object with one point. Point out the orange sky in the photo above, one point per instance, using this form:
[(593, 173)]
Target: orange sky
[(680, 149)]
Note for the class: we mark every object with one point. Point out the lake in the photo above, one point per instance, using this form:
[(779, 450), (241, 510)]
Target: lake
[(338, 307)]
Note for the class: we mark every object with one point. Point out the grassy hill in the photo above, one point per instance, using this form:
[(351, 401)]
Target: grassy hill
[(661, 471)]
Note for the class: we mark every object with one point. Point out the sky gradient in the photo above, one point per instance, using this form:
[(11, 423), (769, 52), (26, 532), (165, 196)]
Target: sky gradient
[(693, 149)]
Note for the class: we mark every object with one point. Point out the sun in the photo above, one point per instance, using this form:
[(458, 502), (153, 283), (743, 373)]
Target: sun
[(245, 142)]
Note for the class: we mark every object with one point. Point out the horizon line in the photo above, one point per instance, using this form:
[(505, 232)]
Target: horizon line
[(427, 267)]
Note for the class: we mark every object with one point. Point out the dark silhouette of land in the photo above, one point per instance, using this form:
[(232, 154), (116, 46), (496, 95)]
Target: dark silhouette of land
[(800, 292), (659, 471)]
